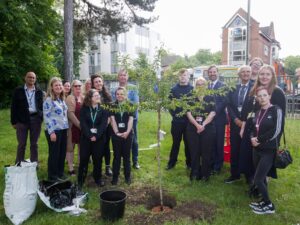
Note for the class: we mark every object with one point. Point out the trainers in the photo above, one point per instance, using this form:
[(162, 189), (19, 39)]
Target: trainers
[(136, 165), (264, 209), (231, 179), (258, 204), (108, 171)]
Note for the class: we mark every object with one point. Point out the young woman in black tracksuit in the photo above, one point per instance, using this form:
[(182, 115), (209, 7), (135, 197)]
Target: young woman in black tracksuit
[(93, 122), (122, 122), (200, 133), (265, 135)]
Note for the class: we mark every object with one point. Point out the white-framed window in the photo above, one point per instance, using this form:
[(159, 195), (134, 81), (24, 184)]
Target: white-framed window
[(266, 50), (239, 34), (238, 55)]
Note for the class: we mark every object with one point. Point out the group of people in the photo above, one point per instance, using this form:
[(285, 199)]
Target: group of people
[(88, 116), (73, 115), (255, 110)]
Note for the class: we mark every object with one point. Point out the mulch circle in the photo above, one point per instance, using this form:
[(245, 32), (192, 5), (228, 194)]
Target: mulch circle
[(149, 196)]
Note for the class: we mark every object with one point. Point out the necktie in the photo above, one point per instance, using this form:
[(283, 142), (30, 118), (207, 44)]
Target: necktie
[(242, 95), (211, 85)]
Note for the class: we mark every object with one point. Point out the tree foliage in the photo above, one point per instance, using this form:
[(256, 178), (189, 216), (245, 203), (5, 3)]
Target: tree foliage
[(291, 63), (28, 32), (110, 17)]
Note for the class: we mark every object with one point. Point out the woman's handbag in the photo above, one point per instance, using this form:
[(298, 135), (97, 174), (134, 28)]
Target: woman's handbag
[(283, 157)]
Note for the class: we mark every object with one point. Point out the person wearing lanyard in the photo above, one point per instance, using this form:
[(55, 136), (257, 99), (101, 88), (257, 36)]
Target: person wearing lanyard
[(236, 108), (27, 116), (122, 123), (56, 125), (265, 136), (93, 122)]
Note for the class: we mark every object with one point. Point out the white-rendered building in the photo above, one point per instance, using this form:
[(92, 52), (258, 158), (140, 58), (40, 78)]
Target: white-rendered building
[(101, 55)]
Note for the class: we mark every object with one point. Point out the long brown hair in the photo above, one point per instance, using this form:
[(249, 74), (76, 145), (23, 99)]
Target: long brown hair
[(258, 84), (87, 101), (104, 92)]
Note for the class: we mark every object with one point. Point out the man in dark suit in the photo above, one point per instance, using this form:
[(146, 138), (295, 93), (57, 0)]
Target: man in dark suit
[(236, 109), (220, 119), (26, 116)]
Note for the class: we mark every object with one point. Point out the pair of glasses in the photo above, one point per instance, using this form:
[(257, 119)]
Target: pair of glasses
[(77, 86)]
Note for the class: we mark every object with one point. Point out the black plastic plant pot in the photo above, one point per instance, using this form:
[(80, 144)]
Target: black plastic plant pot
[(112, 204)]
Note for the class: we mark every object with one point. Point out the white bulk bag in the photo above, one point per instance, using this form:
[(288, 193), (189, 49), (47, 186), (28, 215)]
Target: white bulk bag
[(20, 195)]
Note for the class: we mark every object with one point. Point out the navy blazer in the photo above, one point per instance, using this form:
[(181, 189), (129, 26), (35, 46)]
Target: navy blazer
[(221, 103), (20, 108), (233, 103)]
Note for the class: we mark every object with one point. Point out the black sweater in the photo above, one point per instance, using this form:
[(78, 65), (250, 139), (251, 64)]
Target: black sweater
[(177, 92)]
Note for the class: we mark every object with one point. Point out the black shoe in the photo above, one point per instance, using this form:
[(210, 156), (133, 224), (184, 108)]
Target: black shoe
[(100, 183), (114, 181), (136, 165), (128, 180), (169, 167), (215, 172), (231, 179), (108, 171), (72, 173), (264, 209)]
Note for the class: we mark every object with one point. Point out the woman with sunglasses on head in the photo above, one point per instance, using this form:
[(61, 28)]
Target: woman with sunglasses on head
[(93, 122), (265, 137), (74, 102)]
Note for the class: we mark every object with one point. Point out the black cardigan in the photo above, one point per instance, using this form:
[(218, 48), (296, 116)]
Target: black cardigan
[(86, 122), (19, 105)]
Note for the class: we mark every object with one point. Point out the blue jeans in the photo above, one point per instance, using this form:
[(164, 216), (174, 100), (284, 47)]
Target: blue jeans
[(135, 145)]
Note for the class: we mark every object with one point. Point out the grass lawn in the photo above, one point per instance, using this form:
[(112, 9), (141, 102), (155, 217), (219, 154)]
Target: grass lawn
[(231, 199)]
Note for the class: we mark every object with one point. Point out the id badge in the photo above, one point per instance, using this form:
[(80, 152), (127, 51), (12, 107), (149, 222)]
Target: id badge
[(30, 109), (93, 130), (240, 108), (121, 125), (199, 119)]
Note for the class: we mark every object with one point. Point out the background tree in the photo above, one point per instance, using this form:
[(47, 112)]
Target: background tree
[(27, 42), (291, 63)]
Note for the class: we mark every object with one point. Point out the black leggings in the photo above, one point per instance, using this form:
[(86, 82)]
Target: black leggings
[(263, 160)]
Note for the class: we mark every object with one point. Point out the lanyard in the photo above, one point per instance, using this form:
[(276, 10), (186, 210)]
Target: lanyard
[(121, 111), (29, 97), (259, 119), (93, 117)]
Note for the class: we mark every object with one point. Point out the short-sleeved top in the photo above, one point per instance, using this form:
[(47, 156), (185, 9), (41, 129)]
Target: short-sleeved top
[(121, 117)]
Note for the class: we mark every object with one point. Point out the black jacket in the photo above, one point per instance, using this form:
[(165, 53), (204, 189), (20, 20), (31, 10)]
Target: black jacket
[(19, 105), (86, 122)]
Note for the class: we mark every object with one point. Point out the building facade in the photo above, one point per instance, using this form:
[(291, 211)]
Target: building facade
[(102, 55), (234, 40)]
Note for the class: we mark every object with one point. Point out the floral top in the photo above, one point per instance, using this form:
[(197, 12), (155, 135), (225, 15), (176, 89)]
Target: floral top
[(55, 115)]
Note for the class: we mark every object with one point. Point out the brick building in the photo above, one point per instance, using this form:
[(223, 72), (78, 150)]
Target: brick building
[(263, 43)]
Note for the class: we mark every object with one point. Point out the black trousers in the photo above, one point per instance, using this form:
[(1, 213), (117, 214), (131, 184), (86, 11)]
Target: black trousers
[(57, 154), (88, 148), (235, 142), (218, 147), (200, 149), (106, 145), (178, 131), (263, 161), (121, 148)]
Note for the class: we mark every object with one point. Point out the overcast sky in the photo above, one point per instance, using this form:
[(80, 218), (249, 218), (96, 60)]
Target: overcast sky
[(188, 25)]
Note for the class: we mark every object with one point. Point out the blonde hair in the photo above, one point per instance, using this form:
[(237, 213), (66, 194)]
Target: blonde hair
[(124, 91), (272, 84), (50, 92), (200, 79)]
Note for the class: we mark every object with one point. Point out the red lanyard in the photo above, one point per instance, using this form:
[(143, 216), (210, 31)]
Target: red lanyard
[(259, 119)]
